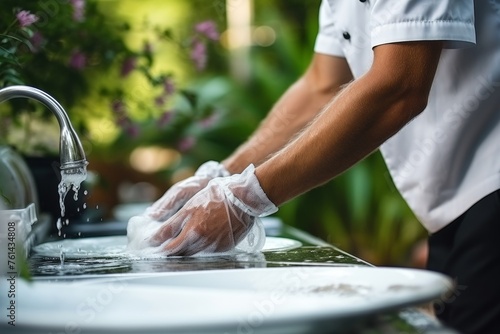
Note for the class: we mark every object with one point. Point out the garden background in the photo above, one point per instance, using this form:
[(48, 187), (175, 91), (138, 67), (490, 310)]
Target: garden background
[(156, 87)]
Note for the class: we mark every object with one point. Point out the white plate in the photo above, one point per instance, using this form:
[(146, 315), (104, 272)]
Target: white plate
[(276, 244), (260, 300), (84, 247), (116, 247)]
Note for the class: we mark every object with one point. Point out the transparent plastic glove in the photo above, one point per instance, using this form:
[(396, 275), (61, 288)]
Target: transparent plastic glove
[(177, 195), (217, 218)]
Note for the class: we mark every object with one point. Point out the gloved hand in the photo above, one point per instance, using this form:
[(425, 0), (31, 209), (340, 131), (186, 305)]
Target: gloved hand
[(177, 195), (217, 218)]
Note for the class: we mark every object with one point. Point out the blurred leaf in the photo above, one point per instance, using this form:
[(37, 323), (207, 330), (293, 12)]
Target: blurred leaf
[(358, 192), (191, 97)]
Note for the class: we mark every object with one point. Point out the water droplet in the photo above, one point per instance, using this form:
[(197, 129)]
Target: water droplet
[(84, 205), (79, 234), (85, 192), (251, 239), (62, 257), (97, 206)]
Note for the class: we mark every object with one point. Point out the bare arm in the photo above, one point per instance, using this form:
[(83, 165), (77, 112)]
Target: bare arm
[(356, 122), (294, 110)]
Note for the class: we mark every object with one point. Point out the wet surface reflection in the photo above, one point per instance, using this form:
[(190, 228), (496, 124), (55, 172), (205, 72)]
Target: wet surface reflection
[(306, 255)]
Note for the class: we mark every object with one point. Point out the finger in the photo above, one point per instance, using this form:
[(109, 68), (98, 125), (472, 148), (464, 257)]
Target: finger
[(173, 200), (170, 229), (165, 207), (185, 244), (199, 237)]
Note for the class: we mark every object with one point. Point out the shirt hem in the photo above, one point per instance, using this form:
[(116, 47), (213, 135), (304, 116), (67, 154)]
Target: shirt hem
[(328, 45), (454, 34), (448, 212)]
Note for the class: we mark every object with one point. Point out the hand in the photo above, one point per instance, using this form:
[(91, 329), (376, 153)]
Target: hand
[(175, 197), (217, 218)]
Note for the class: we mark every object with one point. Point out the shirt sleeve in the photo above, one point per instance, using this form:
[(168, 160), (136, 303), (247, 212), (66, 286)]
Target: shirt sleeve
[(326, 42), (451, 21)]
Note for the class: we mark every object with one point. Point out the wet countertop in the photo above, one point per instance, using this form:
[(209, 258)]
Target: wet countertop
[(313, 252)]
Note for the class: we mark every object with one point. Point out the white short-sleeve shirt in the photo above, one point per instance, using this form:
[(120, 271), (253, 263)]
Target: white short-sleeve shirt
[(448, 157)]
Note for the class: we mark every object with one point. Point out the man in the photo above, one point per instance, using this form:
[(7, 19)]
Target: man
[(418, 78)]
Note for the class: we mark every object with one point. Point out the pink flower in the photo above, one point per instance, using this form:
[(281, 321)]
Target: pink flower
[(78, 10), (25, 18), (128, 66), (78, 60), (168, 86), (165, 118), (208, 29), (186, 143), (160, 100), (209, 121), (168, 90), (37, 42), (132, 130), (118, 107), (122, 120), (199, 54)]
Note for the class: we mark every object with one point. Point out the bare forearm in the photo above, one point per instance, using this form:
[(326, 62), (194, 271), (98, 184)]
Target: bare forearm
[(294, 110), (368, 112)]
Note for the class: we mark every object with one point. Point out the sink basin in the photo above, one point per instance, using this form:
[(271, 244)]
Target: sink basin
[(270, 300)]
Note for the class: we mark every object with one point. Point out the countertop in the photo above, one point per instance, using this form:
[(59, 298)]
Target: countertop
[(313, 252)]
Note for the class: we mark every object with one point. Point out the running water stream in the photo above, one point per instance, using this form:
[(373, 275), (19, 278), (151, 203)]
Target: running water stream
[(70, 179)]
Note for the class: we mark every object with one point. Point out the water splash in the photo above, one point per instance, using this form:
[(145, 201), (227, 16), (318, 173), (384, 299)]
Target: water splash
[(62, 257), (59, 226), (70, 179)]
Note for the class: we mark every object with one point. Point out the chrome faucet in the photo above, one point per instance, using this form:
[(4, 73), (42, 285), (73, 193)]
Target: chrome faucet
[(73, 162), (71, 152)]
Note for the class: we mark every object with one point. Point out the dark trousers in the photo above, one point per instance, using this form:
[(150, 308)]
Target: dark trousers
[(468, 250)]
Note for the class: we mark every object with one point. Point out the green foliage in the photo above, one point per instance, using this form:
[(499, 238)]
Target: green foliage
[(85, 60), (45, 48), (207, 116)]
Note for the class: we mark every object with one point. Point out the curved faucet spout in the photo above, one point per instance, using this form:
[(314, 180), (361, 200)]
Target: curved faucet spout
[(73, 161), (71, 151)]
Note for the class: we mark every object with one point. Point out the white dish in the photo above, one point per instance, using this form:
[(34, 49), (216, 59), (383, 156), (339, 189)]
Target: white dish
[(84, 247), (260, 300), (276, 244), (115, 246)]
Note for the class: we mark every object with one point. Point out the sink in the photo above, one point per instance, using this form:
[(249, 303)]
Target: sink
[(259, 300), (314, 288)]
